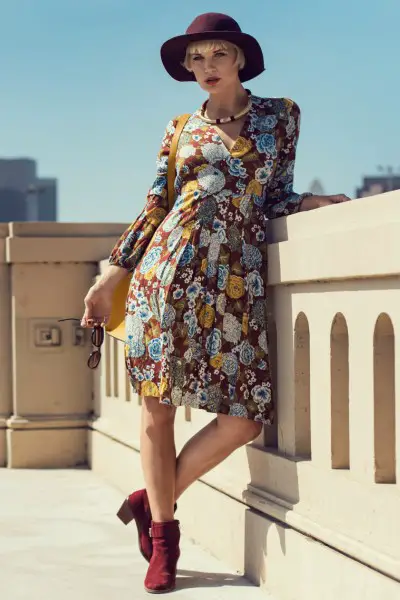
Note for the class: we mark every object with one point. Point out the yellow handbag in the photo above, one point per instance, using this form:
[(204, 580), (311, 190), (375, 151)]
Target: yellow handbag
[(116, 322)]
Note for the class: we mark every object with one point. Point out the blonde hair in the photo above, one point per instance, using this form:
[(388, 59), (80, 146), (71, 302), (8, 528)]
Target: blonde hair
[(212, 45)]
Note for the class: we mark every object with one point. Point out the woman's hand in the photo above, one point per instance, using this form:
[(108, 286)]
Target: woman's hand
[(312, 202), (98, 300), (98, 303)]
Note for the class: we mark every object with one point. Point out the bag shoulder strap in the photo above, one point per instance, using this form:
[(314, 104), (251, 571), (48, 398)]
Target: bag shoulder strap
[(182, 120)]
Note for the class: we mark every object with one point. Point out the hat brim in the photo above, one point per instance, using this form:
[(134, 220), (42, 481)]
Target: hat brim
[(173, 53)]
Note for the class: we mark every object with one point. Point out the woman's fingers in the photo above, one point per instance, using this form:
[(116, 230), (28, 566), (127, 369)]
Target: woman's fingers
[(87, 318), (92, 319), (336, 198)]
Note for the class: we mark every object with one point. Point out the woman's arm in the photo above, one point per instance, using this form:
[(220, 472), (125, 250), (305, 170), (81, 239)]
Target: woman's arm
[(133, 243), (281, 200)]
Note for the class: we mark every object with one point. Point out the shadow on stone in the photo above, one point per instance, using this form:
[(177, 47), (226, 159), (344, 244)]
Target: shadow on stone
[(199, 579)]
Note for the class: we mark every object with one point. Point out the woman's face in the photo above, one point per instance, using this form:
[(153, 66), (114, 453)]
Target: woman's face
[(215, 69)]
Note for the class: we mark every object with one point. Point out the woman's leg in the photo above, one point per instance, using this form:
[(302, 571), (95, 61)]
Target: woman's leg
[(210, 446), (158, 456)]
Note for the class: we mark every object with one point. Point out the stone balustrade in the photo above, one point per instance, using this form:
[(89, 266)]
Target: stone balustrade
[(310, 509), (329, 470)]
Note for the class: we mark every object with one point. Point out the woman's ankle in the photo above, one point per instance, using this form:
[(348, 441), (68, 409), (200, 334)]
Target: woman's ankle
[(160, 516)]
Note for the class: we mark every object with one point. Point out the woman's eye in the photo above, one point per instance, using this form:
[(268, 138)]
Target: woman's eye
[(196, 58), (220, 54)]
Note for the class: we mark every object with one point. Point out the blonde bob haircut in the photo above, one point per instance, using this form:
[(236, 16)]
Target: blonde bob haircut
[(210, 46)]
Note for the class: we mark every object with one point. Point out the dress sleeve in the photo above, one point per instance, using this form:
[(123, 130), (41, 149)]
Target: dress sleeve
[(281, 200), (132, 244)]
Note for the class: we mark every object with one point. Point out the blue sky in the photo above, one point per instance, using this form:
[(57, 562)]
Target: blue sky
[(84, 91)]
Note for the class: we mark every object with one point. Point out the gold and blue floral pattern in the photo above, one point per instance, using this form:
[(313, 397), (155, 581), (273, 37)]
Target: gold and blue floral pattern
[(196, 310)]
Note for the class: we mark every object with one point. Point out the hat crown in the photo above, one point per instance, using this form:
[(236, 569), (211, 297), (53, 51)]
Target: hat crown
[(209, 22), (212, 26)]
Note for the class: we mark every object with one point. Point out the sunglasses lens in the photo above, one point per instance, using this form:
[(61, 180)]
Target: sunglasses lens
[(94, 360)]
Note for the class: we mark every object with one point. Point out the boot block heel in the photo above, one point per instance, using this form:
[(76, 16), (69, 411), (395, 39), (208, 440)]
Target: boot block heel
[(125, 513)]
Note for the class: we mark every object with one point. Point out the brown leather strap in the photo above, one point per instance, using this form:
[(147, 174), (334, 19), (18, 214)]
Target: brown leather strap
[(182, 120)]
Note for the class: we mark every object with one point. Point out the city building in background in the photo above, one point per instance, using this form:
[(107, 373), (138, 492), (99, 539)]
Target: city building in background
[(386, 181), (23, 195)]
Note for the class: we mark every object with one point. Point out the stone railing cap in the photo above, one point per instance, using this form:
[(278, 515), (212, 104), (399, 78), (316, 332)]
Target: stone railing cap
[(55, 229), (360, 213)]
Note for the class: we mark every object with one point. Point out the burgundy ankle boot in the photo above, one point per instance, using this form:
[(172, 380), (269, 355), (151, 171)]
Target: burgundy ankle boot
[(161, 574), (136, 506)]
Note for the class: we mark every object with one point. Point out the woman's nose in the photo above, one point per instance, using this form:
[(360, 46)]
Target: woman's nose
[(209, 65)]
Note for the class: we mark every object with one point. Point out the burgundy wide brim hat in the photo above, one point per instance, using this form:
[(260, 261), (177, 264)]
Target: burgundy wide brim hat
[(212, 26)]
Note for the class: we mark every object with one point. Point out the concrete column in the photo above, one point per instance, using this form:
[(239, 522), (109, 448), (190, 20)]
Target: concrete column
[(361, 396), (320, 379), (285, 392), (5, 344)]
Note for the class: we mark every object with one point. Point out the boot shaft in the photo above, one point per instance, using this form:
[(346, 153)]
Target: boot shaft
[(161, 575), (169, 530)]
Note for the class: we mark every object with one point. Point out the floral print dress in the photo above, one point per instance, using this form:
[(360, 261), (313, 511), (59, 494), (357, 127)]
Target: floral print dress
[(196, 311)]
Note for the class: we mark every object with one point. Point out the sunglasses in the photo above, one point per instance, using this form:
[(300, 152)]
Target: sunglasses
[(97, 339)]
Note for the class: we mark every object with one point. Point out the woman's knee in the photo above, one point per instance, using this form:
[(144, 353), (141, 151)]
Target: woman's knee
[(241, 431), (156, 414)]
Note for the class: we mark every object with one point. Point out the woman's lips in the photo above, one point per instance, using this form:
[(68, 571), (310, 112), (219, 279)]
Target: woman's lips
[(212, 80)]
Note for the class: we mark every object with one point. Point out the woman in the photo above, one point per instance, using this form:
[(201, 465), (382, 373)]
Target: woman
[(196, 310)]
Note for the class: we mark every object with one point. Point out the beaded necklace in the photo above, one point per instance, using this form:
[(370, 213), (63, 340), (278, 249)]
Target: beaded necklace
[(223, 120)]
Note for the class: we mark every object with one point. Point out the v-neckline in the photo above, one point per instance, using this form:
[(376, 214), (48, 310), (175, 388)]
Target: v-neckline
[(240, 135)]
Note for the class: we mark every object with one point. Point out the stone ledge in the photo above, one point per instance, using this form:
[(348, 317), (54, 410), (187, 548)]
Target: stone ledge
[(46, 422), (359, 214), (318, 494), (317, 259), (58, 249), (306, 493), (292, 565), (274, 507), (61, 229)]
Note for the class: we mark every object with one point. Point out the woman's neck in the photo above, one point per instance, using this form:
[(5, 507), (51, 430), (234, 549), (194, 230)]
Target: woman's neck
[(228, 103)]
